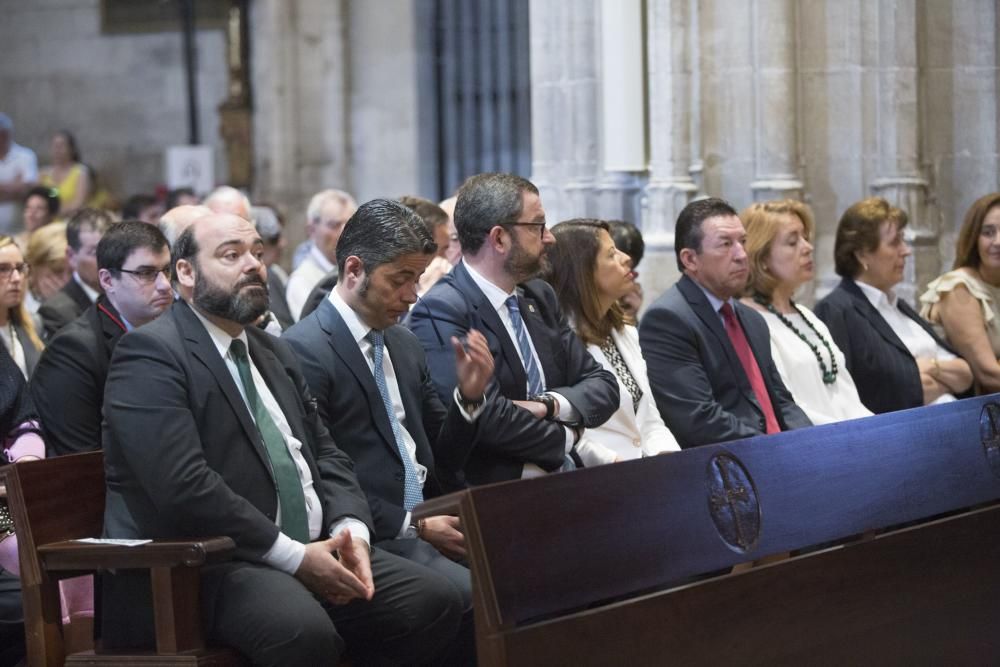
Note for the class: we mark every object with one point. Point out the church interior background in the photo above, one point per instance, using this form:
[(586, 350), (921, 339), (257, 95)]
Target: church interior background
[(619, 109)]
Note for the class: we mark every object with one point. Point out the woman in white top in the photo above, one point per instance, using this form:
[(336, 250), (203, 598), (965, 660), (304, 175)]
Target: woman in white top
[(810, 363), (964, 304), (590, 275)]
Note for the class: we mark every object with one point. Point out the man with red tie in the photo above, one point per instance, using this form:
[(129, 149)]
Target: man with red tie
[(709, 357)]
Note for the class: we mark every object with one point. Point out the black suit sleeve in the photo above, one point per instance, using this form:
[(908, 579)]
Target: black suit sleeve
[(152, 442), (506, 430), (68, 395), (681, 387)]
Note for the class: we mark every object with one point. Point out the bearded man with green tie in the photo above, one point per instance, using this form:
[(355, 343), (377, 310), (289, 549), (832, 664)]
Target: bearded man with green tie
[(211, 430)]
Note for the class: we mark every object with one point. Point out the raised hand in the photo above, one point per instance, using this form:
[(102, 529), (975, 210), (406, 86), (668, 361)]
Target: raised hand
[(473, 364)]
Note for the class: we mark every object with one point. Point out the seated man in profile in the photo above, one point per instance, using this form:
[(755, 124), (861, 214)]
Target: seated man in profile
[(547, 387), (708, 355), (209, 430), (133, 266)]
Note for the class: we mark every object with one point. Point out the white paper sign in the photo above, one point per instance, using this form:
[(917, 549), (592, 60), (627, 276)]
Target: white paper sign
[(190, 167)]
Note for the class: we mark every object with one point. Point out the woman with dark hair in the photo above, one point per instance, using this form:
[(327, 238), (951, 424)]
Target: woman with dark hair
[(17, 329), (811, 365), (964, 304), (66, 174), (628, 239), (894, 356), (590, 275), (41, 205)]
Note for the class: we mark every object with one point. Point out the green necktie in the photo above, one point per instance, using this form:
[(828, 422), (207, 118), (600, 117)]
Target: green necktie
[(294, 521)]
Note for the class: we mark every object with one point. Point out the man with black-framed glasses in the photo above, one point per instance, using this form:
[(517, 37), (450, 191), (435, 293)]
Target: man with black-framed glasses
[(133, 262), (546, 387)]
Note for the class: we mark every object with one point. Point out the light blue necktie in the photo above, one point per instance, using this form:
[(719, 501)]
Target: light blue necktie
[(535, 385), (412, 495)]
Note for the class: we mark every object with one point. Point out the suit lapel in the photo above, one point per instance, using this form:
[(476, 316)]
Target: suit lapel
[(538, 331), (870, 313), (202, 348), (487, 316), (342, 342), (405, 370)]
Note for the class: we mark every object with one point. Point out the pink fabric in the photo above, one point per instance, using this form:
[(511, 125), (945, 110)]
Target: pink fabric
[(28, 444), (77, 598), (8, 555)]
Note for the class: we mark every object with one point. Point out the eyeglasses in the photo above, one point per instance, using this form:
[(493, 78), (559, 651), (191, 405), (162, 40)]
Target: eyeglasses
[(541, 226), (7, 270), (149, 276)]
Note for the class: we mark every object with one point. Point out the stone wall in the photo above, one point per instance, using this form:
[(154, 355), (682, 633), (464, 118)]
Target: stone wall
[(830, 101), (123, 96)]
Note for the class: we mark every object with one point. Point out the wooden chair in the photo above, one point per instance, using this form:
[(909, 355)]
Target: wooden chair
[(57, 501), (896, 517)]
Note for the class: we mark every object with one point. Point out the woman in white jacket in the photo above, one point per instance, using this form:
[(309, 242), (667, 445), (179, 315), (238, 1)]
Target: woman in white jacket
[(590, 275)]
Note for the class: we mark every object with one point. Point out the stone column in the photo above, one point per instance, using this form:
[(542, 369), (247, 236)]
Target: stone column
[(899, 170), (776, 155), (236, 112)]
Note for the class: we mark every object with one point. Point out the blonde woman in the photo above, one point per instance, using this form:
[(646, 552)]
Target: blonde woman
[(17, 330), (780, 252)]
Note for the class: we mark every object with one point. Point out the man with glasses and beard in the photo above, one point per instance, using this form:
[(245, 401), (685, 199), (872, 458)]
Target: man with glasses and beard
[(210, 430), (546, 387)]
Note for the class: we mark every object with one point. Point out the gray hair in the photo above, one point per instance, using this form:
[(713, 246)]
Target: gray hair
[(320, 199)]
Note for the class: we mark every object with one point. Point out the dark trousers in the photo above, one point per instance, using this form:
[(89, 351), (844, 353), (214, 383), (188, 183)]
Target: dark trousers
[(463, 651), (11, 620)]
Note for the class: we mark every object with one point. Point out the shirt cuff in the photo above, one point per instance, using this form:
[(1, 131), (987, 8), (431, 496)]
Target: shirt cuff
[(406, 530), (474, 415), (27, 444), (567, 413), (358, 530), (285, 554), (570, 439)]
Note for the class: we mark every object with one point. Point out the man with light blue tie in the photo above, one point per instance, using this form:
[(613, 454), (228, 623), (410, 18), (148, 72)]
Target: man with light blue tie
[(546, 387), (373, 390)]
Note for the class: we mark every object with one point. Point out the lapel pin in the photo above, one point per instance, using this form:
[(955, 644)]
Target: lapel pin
[(531, 308)]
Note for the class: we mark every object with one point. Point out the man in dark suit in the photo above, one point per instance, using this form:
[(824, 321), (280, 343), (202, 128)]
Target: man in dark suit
[(709, 356), (406, 446), (133, 261), (546, 386), (210, 430), (83, 232)]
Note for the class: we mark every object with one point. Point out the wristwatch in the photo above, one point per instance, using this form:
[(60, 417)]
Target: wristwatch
[(470, 405), (549, 401)]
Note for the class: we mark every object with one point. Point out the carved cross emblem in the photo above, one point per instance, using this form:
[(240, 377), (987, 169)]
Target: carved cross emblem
[(732, 502), (989, 434)]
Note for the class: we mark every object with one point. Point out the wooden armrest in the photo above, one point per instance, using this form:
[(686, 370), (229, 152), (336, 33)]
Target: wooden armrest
[(73, 555), (448, 504)]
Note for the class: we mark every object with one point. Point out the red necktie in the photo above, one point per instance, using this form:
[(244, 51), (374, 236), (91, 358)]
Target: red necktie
[(750, 367)]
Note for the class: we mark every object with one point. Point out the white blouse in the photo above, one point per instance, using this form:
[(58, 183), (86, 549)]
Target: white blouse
[(796, 362)]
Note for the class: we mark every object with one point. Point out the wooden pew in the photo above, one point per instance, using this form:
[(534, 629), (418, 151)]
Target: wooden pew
[(55, 502), (630, 563)]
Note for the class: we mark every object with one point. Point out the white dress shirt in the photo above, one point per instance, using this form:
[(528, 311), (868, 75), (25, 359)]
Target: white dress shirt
[(285, 554), (304, 279), (498, 299), (920, 343), (91, 293)]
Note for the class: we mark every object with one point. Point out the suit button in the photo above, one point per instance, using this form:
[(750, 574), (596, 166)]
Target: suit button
[(762, 424)]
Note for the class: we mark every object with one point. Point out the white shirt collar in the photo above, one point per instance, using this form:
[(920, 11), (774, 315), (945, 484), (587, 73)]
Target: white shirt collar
[(877, 297), (91, 293), (357, 328), (496, 295), (320, 259), (220, 338)]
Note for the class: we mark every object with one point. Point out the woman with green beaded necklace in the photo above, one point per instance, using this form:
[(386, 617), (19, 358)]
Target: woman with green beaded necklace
[(781, 260)]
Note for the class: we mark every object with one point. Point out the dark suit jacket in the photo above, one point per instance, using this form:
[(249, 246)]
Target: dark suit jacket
[(62, 308), (509, 435), (698, 382), (883, 369), (351, 406), (278, 305), (31, 353), (68, 384), (183, 457), (320, 292)]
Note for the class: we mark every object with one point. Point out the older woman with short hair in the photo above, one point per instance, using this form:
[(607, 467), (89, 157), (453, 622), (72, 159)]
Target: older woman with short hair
[(590, 275), (780, 253), (894, 356), (964, 304)]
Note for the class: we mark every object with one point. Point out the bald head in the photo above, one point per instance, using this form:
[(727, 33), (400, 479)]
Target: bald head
[(179, 218), (226, 199)]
